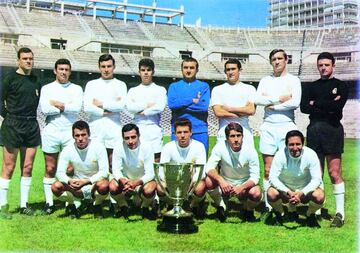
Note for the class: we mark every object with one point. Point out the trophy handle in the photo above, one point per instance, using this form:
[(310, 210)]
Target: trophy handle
[(201, 169), (157, 166)]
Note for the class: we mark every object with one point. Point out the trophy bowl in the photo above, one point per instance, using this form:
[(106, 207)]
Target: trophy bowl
[(178, 181)]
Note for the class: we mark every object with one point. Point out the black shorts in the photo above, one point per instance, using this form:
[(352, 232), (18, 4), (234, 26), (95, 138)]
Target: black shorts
[(325, 139), (20, 132)]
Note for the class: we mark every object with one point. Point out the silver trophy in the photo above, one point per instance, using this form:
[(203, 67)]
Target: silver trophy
[(176, 182)]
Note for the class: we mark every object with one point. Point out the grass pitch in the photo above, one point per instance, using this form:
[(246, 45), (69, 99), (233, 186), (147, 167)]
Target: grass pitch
[(55, 233)]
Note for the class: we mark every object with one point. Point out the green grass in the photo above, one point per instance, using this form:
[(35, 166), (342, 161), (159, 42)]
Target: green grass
[(55, 233)]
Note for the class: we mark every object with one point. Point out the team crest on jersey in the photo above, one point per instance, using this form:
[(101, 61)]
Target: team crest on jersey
[(334, 91)]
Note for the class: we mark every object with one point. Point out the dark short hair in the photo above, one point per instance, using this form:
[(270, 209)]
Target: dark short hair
[(62, 61), (190, 59), (106, 57), (81, 125), (294, 133), (182, 122), (23, 50), (277, 50), (130, 127), (326, 55), (232, 61), (146, 62), (233, 126)]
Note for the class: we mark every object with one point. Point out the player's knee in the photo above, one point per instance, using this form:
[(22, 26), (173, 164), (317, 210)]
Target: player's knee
[(102, 187), (57, 188), (255, 194), (272, 194), (200, 189), (149, 189), (210, 184), (318, 196)]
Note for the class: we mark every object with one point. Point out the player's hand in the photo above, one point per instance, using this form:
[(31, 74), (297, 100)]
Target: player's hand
[(285, 98), (122, 182), (98, 103), (338, 97), (239, 190), (226, 188), (150, 104), (74, 184), (57, 104)]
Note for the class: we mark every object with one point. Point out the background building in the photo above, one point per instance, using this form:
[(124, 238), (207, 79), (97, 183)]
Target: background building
[(313, 13)]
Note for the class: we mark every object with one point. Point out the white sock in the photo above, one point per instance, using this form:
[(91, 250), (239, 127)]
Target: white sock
[(99, 198), (146, 202), (77, 203), (47, 181), (215, 194), (266, 185), (277, 205), (339, 192), (112, 200), (4, 187), (313, 207), (67, 197), (25, 184)]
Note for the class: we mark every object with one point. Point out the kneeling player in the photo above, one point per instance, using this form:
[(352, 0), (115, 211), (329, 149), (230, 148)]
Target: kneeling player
[(133, 173), (186, 150), (295, 178), (89, 161), (238, 176)]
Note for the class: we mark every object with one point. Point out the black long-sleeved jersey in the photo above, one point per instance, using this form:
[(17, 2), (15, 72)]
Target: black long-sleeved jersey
[(329, 96), (20, 95)]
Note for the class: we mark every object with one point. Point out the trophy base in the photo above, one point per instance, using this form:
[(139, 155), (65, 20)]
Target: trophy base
[(177, 225)]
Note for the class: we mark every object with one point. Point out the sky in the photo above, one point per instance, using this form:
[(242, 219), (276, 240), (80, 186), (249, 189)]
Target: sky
[(226, 13)]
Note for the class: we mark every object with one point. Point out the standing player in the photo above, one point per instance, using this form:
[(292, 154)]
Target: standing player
[(324, 100), (104, 99), (20, 130), (239, 173), (60, 102), (133, 172), (189, 98), (233, 101), (89, 161), (186, 150), (295, 178), (147, 101), (280, 93)]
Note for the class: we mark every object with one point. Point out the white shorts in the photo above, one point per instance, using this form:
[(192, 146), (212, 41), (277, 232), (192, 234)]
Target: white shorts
[(248, 140), (153, 135), (272, 136), (106, 131), (53, 139)]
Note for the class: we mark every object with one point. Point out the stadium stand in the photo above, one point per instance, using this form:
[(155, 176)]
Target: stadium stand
[(85, 38)]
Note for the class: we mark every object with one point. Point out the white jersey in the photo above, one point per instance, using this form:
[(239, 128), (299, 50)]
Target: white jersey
[(301, 173), (133, 164), (89, 163), (237, 95), (194, 153), (140, 97), (270, 89), (235, 167), (105, 123), (70, 94)]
